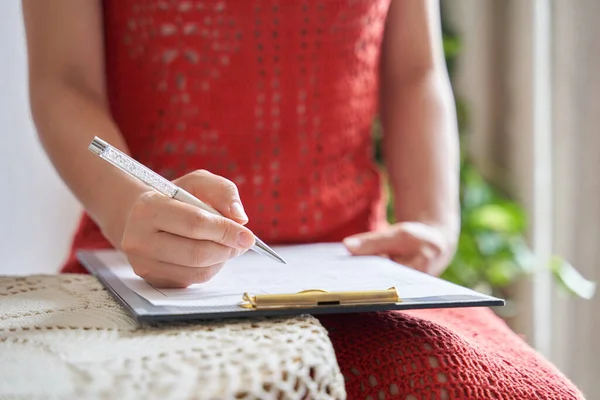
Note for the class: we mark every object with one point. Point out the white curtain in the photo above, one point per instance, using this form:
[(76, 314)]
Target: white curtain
[(576, 119), (502, 74)]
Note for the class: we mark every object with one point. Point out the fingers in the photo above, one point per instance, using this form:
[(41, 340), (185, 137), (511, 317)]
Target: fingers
[(412, 244), (418, 262), (425, 260), (424, 233), (173, 244), (191, 222), (220, 193), (389, 241), (400, 239), (165, 275), (173, 249)]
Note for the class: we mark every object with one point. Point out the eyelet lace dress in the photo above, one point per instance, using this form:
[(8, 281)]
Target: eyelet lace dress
[(279, 96)]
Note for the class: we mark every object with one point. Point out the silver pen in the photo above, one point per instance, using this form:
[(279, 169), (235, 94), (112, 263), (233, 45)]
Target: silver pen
[(130, 166)]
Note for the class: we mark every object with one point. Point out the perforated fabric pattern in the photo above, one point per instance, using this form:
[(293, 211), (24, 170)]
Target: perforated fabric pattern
[(64, 337), (277, 96), (441, 354)]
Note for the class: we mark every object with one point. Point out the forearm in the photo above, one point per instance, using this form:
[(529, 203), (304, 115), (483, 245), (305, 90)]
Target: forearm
[(421, 149), (67, 118)]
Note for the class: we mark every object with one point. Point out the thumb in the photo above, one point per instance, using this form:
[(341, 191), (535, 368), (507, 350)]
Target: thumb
[(220, 193), (374, 243)]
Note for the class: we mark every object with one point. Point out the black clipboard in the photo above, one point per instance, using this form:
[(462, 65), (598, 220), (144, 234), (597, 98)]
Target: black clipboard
[(313, 302)]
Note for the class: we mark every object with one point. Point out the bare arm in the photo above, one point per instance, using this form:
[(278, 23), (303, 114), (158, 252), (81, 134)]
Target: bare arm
[(69, 107), (167, 242), (418, 117)]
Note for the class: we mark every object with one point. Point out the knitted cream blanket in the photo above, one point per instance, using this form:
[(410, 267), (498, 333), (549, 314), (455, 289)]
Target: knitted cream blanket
[(65, 337)]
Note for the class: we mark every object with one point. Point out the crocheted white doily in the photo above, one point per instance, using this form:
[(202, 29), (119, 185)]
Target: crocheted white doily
[(65, 337)]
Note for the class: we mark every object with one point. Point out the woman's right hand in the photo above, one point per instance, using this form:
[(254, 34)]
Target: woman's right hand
[(172, 244)]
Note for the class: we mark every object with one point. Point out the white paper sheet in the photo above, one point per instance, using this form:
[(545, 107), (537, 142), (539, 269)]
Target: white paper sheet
[(316, 266)]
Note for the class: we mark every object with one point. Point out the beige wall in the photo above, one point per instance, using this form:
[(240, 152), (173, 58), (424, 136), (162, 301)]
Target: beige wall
[(37, 212)]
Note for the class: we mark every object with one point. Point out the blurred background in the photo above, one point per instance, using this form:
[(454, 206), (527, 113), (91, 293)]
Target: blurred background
[(525, 78)]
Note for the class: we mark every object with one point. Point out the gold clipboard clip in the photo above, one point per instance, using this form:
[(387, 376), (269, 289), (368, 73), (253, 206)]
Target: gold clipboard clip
[(320, 298)]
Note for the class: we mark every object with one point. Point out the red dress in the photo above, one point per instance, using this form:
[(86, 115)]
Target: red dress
[(279, 97)]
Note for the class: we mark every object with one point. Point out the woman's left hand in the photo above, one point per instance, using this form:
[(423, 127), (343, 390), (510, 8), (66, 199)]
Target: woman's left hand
[(424, 247)]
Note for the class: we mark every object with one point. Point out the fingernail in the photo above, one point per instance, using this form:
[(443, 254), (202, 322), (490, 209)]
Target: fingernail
[(352, 243), (237, 211), (245, 240)]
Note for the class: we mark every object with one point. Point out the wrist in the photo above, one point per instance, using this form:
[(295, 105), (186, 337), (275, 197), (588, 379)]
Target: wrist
[(114, 219), (448, 222)]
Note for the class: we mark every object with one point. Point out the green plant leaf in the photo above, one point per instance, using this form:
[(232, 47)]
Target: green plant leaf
[(522, 254), (467, 247), (451, 46), (449, 274), (502, 273), (475, 191), (461, 273), (506, 217), (490, 243), (571, 279)]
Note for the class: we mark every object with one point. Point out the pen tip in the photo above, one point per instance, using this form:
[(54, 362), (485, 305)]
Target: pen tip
[(281, 260), (261, 247)]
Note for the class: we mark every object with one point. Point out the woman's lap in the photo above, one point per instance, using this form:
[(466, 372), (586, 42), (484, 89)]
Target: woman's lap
[(465, 353)]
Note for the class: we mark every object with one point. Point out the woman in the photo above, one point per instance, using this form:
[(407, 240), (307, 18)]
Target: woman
[(276, 99)]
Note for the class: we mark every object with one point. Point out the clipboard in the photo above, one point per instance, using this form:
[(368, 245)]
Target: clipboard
[(250, 304)]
